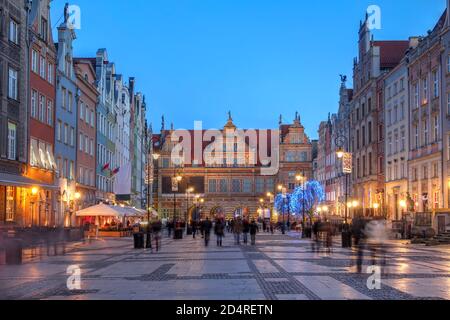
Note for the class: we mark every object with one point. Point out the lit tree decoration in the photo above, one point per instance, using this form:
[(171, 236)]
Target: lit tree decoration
[(282, 204), (310, 196)]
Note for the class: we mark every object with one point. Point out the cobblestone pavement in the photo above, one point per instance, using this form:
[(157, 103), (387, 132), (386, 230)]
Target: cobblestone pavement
[(278, 267)]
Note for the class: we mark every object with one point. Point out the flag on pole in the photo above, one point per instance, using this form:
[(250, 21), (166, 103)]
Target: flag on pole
[(106, 166)]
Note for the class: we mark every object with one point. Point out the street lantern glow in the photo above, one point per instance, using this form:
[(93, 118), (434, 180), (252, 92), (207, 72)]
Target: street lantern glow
[(376, 205), (340, 153), (355, 203), (319, 209), (261, 200), (402, 203), (191, 189), (280, 187), (299, 177), (325, 209), (34, 191), (77, 195), (202, 200), (178, 177), (155, 156), (269, 194), (349, 204)]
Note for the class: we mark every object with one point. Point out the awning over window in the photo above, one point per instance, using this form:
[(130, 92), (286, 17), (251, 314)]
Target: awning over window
[(7, 179)]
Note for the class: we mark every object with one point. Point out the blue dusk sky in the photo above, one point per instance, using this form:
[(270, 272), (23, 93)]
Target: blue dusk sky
[(197, 59)]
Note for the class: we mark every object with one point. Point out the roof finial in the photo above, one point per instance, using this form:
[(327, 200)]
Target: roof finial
[(229, 116), (171, 126), (66, 12), (280, 121), (162, 123), (296, 115)]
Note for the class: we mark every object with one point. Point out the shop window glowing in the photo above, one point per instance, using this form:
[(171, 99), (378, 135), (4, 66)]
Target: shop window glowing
[(10, 203)]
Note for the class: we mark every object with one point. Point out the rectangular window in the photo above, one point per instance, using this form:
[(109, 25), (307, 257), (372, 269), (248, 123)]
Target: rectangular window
[(66, 133), (41, 108), (10, 203), (71, 170), (50, 73), (236, 186), (82, 110), (70, 102), (43, 66), (92, 118), (416, 95), (12, 84), (81, 142), (425, 132), (49, 112), (12, 141), (58, 130), (435, 84), (212, 183), (259, 185), (13, 31), (436, 128), (86, 144), (34, 104), (223, 186), (247, 185), (63, 97), (72, 136), (86, 115), (44, 29), (91, 147), (34, 61), (425, 91)]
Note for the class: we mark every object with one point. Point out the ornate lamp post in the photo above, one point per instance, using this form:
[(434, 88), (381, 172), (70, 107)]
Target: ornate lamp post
[(346, 158), (188, 192)]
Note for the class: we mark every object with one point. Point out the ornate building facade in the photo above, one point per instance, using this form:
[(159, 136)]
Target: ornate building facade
[(230, 170)]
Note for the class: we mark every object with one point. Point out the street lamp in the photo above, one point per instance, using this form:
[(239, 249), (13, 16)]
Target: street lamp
[(188, 192)]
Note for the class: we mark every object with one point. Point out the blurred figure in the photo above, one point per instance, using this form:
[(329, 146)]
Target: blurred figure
[(194, 228), (315, 244), (245, 230), (253, 228), (237, 230), (156, 228), (219, 231), (206, 226), (376, 233)]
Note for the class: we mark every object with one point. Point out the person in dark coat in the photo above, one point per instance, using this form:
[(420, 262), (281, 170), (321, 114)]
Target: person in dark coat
[(194, 228), (253, 228), (156, 228), (207, 226), (219, 231), (245, 230), (169, 227), (264, 226)]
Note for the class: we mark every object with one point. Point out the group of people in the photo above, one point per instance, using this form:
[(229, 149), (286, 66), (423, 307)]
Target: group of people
[(238, 227)]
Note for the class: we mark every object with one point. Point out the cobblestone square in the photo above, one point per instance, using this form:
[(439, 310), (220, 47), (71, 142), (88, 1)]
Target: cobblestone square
[(277, 268)]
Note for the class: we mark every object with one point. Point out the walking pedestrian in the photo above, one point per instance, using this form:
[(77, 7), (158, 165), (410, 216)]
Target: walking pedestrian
[(206, 226), (253, 228), (245, 230), (237, 229), (264, 225), (219, 231), (169, 227), (156, 228), (194, 228)]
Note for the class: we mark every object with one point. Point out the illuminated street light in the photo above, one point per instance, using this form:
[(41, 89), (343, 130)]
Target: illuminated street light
[(319, 209), (77, 195), (376, 205), (34, 191), (340, 153), (349, 204), (280, 187), (325, 209), (355, 203), (155, 156), (299, 177), (402, 203)]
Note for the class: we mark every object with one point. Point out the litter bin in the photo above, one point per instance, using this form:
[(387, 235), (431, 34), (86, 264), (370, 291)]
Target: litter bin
[(138, 240), (13, 251), (178, 234), (346, 239)]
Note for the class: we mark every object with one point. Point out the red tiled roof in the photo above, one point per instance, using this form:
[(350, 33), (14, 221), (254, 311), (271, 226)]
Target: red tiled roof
[(391, 52)]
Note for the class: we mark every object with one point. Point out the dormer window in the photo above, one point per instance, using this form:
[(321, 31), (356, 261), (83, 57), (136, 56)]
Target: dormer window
[(44, 29)]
